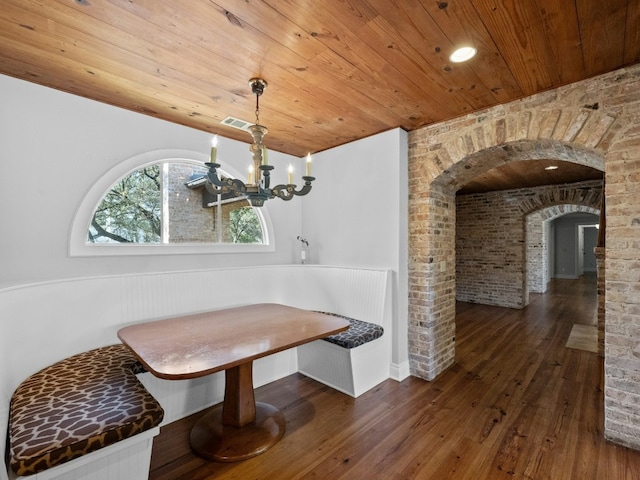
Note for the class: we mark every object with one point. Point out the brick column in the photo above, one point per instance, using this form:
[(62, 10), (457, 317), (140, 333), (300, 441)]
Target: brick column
[(432, 284), (600, 257)]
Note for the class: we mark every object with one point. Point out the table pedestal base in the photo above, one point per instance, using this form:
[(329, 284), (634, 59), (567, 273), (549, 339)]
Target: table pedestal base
[(223, 443)]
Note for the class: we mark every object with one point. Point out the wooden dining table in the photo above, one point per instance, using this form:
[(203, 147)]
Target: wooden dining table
[(230, 339)]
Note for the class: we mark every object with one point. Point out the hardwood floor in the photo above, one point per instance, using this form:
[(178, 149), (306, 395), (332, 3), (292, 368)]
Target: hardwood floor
[(517, 404)]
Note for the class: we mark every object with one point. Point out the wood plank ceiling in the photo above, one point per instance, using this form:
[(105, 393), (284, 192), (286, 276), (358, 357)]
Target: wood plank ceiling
[(338, 70)]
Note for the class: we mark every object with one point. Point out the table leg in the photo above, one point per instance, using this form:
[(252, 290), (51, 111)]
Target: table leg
[(239, 407), (240, 428)]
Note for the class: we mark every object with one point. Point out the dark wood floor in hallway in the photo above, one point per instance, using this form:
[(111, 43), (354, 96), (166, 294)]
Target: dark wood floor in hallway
[(517, 404)]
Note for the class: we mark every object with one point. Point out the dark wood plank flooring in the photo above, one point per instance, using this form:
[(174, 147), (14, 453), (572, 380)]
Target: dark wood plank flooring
[(517, 404)]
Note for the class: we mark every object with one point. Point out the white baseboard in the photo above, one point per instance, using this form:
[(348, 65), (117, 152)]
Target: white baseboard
[(400, 371)]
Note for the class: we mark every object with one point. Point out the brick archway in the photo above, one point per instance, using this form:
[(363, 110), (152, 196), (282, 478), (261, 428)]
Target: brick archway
[(537, 254), (432, 232), (560, 125), (584, 122)]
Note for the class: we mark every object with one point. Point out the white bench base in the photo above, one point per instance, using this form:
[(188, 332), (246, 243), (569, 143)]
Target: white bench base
[(126, 460), (350, 370)]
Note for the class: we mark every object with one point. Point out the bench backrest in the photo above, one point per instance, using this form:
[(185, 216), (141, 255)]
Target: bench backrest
[(46, 322)]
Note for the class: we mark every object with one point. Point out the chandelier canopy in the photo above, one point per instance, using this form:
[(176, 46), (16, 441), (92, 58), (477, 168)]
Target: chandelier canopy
[(257, 189)]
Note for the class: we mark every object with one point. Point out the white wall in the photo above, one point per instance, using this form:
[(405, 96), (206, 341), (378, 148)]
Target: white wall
[(590, 243), (54, 146), (566, 243), (357, 215)]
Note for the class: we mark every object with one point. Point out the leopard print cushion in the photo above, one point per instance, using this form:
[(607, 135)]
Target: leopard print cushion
[(76, 406), (357, 334)]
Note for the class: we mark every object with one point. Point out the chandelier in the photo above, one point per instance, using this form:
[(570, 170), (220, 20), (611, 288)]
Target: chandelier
[(257, 189)]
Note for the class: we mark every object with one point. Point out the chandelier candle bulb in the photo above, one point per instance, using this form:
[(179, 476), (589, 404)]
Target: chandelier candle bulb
[(308, 170), (290, 174), (250, 179), (265, 156), (214, 149)]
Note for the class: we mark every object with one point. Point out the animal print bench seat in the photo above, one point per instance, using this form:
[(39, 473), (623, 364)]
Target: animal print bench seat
[(76, 406), (357, 334)]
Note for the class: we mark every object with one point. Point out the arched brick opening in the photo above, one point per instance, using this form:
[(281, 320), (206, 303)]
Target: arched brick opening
[(537, 254), (585, 123), (432, 249), (491, 242)]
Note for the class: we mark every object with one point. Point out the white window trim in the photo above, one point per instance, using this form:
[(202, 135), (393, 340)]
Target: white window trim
[(80, 247)]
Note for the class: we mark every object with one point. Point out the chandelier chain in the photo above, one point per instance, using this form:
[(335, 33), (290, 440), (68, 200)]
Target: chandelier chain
[(257, 109)]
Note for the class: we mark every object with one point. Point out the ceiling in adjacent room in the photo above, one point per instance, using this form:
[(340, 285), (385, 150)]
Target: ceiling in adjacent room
[(530, 173)]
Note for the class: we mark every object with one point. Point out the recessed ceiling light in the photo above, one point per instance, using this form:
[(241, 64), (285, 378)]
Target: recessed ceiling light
[(551, 167), (462, 54)]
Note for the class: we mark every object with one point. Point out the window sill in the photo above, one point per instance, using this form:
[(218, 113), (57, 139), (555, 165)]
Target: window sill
[(110, 250)]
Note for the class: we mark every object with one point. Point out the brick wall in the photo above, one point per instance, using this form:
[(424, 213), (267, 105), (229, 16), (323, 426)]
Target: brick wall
[(537, 254), (495, 232), (594, 122), (189, 222), (600, 264)]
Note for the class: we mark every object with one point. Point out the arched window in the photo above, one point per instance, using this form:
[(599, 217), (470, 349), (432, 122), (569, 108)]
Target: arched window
[(165, 204), (168, 203)]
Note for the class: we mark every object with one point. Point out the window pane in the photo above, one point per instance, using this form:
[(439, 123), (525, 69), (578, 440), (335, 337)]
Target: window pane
[(188, 221), (244, 225), (130, 211)]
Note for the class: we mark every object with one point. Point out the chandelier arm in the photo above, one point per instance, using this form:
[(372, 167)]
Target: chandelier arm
[(216, 191), (284, 192), (238, 185), (226, 184), (287, 192), (306, 188)]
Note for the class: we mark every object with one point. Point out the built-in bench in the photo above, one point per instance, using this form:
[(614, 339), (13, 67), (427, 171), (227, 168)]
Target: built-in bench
[(77, 406), (42, 325), (350, 361), (357, 334)]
